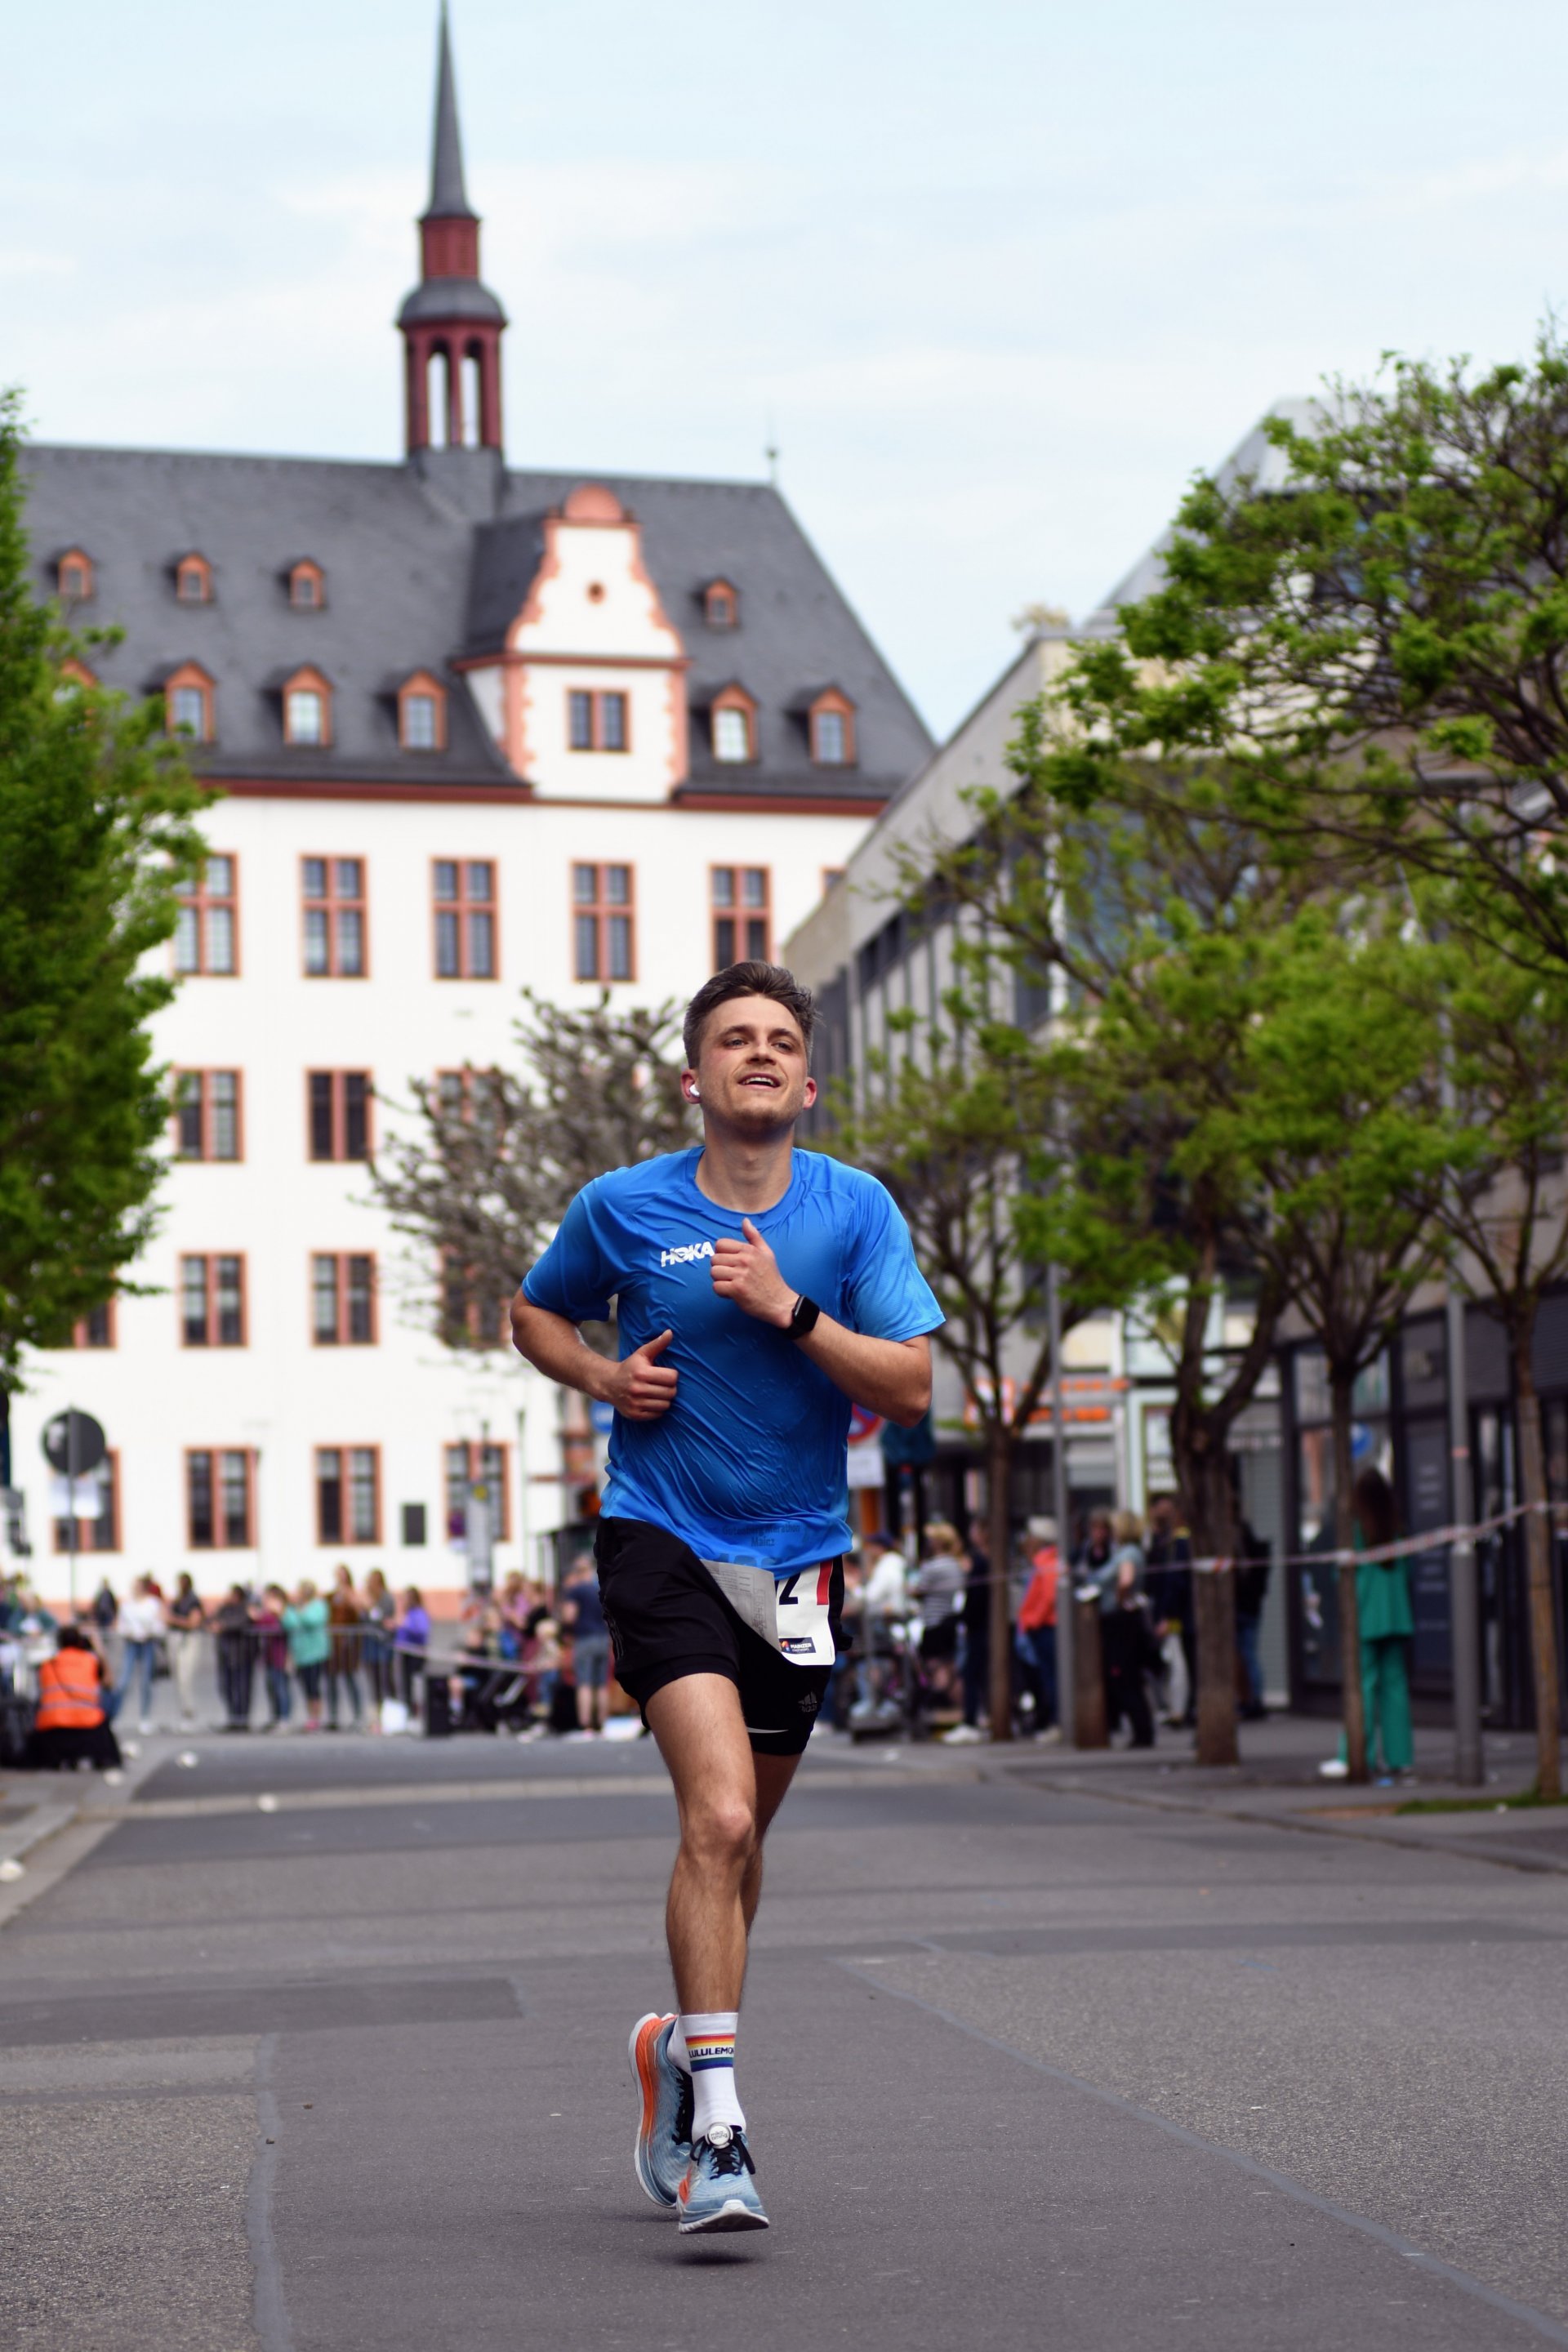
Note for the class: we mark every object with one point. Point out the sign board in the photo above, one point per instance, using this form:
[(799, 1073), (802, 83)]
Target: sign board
[(74, 1443)]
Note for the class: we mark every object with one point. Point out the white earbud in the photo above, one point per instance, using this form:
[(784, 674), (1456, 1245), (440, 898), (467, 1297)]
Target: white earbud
[(696, 1096)]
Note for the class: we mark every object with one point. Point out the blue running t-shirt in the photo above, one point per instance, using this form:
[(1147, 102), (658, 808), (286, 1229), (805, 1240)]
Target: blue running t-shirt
[(748, 1465)]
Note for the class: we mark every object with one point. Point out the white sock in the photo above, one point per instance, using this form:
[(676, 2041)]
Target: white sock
[(709, 2036)]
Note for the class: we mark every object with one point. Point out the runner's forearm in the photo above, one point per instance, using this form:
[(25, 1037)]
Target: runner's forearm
[(558, 1349), (892, 1377)]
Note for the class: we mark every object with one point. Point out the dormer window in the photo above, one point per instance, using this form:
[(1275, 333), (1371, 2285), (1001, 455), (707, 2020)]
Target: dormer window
[(188, 703), (720, 605), (73, 577), (193, 579), (422, 713), (733, 719), (831, 720), (75, 677), (307, 587), (307, 709)]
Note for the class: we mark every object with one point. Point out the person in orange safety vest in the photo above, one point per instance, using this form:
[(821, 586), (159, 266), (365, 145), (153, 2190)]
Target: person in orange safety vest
[(71, 1725)]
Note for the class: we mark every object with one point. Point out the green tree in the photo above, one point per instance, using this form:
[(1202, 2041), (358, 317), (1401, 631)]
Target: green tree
[(1507, 1042), (1381, 627), (96, 832), (1158, 909), (496, 1155), (958, 1120), (1342, 1120)]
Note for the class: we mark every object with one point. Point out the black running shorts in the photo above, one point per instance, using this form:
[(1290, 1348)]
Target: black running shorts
[(667, 1619)]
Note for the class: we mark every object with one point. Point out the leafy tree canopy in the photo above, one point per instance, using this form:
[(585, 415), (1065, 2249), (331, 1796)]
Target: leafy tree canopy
[(96, 832), (498, 1154)]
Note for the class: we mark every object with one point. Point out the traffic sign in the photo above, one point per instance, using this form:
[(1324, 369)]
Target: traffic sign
[(74, 1443)]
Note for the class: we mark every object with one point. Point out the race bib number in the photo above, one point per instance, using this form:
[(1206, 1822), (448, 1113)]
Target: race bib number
[(790, 1612)]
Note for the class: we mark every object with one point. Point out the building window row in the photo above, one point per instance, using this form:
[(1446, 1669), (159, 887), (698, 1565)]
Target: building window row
[(304, 583), (733, 725), (220, 1498), (305, 702), (213, 1309), (334, 910)]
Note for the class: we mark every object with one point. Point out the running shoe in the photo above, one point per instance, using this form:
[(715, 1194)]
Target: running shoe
[(719, 2191), (663, 2144)]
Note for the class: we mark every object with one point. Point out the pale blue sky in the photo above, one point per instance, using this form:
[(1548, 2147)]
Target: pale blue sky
[(1000, 276)]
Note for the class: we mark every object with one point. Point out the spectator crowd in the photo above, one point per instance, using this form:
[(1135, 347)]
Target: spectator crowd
[(917, 1655)]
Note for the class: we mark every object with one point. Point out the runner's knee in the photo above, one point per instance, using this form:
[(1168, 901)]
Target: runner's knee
[(721, 1834)]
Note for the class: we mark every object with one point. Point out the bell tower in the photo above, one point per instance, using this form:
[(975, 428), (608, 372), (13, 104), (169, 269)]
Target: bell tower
[(451, 323)]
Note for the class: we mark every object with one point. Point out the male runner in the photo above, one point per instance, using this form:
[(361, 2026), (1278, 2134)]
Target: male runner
[(758, 1289)]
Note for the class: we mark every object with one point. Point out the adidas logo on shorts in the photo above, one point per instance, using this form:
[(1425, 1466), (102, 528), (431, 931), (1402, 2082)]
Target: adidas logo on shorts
[(686, 1252)]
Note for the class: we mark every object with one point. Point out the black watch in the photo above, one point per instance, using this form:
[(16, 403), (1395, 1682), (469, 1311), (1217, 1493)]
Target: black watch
[(804, 1317)]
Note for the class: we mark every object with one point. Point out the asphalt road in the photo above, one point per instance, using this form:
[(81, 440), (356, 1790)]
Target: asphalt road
[(1024, 2065)]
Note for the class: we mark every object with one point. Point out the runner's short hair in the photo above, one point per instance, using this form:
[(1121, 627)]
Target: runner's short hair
[(747, 979)]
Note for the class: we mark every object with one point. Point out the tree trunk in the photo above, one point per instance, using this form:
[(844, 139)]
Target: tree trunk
[(999, 1543), (1205, 1486), (1354, 1705), (1538, 1568)]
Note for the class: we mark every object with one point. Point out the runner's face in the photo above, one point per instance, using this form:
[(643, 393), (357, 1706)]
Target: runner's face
[(750, 1067)]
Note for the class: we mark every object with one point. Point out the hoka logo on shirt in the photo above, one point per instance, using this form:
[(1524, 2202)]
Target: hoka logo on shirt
[(686, 1252)]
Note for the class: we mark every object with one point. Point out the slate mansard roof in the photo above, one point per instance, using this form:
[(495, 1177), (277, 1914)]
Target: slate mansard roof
[(425, 562)]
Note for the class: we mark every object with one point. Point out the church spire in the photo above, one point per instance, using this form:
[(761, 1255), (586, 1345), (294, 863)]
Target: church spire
[(451, 322), (448, 197)]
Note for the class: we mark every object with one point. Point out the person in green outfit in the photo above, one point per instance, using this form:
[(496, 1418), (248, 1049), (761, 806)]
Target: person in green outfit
[(305, 1621), (1386, 1622)]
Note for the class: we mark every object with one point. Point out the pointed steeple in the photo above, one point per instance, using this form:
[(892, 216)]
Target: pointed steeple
[(451, 322), (448, 197)]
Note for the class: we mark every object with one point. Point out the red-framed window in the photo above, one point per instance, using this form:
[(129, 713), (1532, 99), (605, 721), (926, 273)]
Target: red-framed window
[(337, 1114), (742, 901), (193, 579), (722, 604), (220, 1498), (100, 1486), (307, 709), (732, 723), (598, 721), (348, 1494), (343, 1299), (190, 703), (465, 897), (99, 1329), (207, 927), (208, 1115), (603, 922), (336, 928), (422, 713), (212, 1300), (75, 578), (470, 1463), (831, 721), (307, 586)]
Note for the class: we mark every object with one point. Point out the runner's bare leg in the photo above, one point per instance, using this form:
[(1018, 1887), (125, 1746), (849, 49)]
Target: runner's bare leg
[(726, 1797)]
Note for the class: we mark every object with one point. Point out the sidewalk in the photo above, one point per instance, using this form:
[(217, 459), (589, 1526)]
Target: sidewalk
[(1276, 1781)]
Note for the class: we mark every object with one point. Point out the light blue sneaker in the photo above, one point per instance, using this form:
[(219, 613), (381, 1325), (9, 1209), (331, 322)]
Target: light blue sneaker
[(664, 2114), (720, 2190)]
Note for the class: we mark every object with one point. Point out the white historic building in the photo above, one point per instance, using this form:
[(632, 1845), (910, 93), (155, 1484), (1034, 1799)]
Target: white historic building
[(474, 728)]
